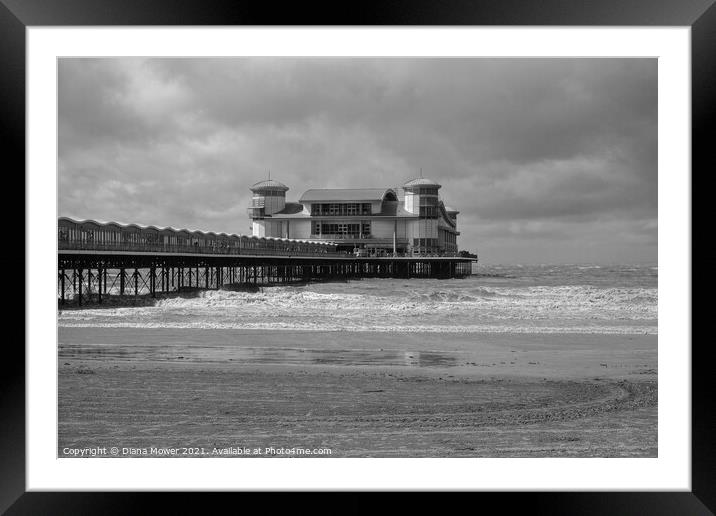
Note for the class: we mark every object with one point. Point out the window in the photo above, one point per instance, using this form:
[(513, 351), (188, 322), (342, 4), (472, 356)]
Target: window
[(341, 230), (340, 209), (427, 190), (425, 243), (365, 229), (429, 212)]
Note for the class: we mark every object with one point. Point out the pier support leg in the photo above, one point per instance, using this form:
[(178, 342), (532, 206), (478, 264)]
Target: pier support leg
[(62, 287), (152, 281), (79, 290), (136, 282), (121, 282), (99, 286)]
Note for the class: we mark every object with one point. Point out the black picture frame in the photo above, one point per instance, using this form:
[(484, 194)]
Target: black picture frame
[(700, 15)]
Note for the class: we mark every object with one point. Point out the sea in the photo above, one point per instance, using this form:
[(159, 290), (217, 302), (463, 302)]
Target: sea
[(576, 298)]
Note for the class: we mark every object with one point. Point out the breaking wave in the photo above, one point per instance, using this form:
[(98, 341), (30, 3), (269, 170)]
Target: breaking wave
[(396, 306)]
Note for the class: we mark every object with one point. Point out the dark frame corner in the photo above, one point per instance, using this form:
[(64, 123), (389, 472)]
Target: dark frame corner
[(700, 15)]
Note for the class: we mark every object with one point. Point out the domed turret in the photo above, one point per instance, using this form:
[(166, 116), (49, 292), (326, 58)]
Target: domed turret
[(421, 192), (269, 185), (421, 181), (421, 198), (269, 197)]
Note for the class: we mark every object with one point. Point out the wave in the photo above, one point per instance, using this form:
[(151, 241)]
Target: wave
[(398, 306), (563, 299), (473, 294)]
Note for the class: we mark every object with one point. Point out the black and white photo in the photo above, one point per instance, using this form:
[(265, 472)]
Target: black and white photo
[(357, 257)]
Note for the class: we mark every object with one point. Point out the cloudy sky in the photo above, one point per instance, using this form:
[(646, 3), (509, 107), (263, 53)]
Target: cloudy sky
[(547, 160)]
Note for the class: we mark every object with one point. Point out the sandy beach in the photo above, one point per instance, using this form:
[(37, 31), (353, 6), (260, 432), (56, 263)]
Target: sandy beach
[(358, 394)]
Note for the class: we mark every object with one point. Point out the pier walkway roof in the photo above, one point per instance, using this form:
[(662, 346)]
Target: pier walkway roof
[(345, 194)]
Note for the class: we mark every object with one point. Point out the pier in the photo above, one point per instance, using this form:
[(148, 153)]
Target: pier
[(97, 260)]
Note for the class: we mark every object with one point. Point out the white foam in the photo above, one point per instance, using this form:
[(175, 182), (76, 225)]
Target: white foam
[(459, 307)]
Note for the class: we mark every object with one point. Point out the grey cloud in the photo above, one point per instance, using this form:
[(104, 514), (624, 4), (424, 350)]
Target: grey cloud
[(527, 149)]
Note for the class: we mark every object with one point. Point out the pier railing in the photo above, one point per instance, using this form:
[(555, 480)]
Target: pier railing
[(277, 250)]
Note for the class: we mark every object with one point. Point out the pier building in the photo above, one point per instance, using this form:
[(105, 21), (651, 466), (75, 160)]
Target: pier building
[(328, 235), (410, 220)]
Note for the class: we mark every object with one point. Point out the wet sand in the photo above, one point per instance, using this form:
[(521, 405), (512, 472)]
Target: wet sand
[(358, 394)]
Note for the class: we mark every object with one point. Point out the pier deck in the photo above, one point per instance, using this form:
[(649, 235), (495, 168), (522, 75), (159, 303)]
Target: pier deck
[(88, 276)]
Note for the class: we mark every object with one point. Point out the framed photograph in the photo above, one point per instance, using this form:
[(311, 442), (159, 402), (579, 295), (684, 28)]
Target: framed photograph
[(397, 250)]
